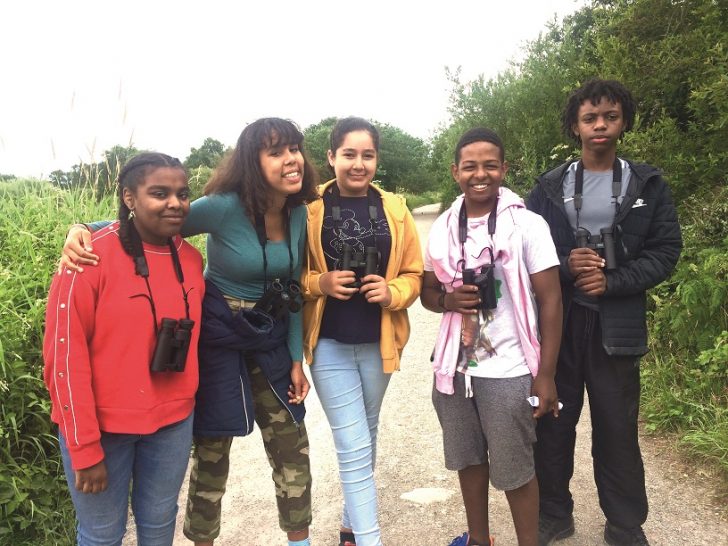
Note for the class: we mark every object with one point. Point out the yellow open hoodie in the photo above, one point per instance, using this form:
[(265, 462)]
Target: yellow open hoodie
[(403, 276)]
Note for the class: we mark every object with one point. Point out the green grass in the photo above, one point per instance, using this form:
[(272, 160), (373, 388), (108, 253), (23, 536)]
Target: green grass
[(35, 507), (417, 200)]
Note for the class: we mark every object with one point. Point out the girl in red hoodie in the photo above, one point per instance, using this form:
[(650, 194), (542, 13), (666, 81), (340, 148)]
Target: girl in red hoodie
[(120, 355)]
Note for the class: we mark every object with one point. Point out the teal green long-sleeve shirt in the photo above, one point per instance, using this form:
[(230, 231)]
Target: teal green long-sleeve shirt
[(235, 257)]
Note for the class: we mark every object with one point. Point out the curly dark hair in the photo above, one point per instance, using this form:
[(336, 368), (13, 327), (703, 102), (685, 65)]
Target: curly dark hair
[(130, 176), (595, 90), (240, 172)]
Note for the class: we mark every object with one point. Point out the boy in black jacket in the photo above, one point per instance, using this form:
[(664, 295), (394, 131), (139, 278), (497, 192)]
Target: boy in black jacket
[(616, 234)]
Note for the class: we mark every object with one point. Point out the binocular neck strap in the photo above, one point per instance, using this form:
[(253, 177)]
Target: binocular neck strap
[(336, 210), (142, 269), (579, 186), (463, 228), (263, 241)]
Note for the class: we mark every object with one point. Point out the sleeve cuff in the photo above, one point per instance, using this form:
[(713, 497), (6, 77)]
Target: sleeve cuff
[(85, 456)]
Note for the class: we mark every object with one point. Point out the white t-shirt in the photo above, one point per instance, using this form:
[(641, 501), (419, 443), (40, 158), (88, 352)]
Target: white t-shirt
[(499, 349)]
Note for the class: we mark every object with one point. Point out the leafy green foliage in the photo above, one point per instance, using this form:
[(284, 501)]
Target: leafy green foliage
[(198, 177), (685, 375), (415, 200), (316, 142), (35, 507), (207, 155)]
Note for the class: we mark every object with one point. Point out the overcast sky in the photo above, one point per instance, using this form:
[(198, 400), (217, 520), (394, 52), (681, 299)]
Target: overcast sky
[(81, 76)]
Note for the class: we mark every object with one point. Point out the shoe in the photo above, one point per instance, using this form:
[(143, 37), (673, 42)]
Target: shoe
[(552, 529), (461, 540), (346, 539), (464, 540), (624, 536)]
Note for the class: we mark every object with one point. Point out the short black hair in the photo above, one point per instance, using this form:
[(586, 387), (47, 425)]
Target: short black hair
[(479, 134), (595, 90)]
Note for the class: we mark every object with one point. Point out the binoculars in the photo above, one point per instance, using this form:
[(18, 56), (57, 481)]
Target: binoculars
[(280, 299), (173, 343), (603, 244), (484, 279), (356, 261)]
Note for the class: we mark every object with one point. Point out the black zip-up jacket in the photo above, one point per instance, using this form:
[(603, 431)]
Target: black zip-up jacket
[(648, 243), (224, 402)]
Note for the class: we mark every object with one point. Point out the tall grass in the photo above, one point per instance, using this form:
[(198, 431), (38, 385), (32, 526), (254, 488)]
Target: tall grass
[(35, 507), (685, 376)]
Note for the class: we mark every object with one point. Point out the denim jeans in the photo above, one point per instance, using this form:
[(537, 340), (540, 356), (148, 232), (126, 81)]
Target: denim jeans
[(154, 465), (350, 384)]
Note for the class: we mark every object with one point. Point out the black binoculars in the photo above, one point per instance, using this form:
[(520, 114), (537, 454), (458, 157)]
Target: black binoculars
[(356, 261), (280, 299), (173, 343), (484, 279), (603, 244)]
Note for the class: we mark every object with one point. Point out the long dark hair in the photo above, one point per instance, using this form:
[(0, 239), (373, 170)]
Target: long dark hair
[(131, 175), (240, 171)]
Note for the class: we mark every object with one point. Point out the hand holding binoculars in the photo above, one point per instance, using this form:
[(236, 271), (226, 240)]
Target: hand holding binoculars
[(602, 244), (366, 262)]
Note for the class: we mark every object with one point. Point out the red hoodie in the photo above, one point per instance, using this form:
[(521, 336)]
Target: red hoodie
[(99, 341)]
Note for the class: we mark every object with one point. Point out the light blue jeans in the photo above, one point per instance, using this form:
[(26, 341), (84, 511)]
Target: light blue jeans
[(154, 465), (350, 383)]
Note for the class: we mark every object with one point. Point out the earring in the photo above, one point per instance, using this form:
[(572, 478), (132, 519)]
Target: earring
[(131, 214)]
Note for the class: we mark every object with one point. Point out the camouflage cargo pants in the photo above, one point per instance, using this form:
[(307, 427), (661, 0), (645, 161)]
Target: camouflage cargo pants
[(286, 445)]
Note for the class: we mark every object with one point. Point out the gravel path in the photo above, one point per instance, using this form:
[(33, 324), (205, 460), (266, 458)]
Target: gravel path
[(420, 500)]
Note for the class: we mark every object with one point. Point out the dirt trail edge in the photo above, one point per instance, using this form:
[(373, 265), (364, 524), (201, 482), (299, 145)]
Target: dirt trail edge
[(419, 499)]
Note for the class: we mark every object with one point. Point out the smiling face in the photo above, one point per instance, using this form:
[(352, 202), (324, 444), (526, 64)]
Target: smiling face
[(282, 167), (479, 173), (160, 204), (599, 126), (354, 163)]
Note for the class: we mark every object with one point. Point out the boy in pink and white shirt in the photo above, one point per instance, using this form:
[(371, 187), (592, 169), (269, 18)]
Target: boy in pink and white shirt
[(480, 394)]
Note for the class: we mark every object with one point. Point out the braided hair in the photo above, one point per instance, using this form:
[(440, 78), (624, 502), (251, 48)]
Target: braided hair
[(595, 90), (131, 175)]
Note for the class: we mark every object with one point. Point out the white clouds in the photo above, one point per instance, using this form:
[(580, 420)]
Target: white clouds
[(80, 76)]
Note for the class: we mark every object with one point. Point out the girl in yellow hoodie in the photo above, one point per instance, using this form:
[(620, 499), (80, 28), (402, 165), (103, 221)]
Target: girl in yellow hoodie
[(364, 268)]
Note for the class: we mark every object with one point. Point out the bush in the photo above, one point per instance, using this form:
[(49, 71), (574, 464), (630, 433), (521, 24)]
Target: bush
[(417, 200), (685, 377), (35, 507)]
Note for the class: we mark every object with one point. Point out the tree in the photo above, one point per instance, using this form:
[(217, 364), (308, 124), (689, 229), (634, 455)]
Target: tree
[(402, 161), (316, 143), (207, 155)]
